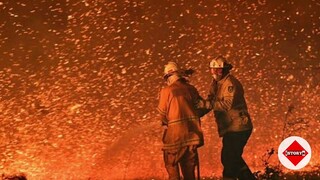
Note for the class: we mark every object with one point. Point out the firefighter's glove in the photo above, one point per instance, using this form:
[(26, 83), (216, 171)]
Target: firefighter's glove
[(204, 104), (164, 127)]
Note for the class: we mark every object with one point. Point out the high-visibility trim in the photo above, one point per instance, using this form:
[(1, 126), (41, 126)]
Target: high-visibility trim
[(181, 144), (161, 111), (194, 118)]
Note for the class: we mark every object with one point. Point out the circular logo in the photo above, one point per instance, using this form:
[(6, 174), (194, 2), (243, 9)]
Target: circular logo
[(294, 152)]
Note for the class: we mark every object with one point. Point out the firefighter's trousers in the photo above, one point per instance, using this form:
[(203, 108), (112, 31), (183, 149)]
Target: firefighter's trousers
[(231, 156), (186, 158)]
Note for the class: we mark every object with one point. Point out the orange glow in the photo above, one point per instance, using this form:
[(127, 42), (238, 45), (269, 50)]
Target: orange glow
[(79, 81)]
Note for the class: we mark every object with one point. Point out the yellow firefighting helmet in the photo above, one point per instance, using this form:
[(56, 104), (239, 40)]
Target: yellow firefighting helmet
[(170, 68)]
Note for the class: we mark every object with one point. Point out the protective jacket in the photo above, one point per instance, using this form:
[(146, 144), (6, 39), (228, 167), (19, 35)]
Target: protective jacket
[(177, 108), (229, 105)]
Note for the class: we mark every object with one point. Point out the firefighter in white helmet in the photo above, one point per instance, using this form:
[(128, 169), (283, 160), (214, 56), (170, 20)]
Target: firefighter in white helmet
[(182, 132), (233, 120)]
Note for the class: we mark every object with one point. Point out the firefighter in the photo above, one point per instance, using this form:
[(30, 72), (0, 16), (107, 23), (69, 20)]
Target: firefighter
[(182, 132), (233, 120)]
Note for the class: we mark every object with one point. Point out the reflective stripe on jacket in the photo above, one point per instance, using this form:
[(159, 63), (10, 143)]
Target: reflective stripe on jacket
[(177, 107), (229, 106)]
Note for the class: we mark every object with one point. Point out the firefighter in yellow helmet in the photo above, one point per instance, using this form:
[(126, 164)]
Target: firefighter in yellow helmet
[(182, 132), (233, 120)]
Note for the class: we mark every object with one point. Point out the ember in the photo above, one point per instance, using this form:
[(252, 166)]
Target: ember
[(80, 79)]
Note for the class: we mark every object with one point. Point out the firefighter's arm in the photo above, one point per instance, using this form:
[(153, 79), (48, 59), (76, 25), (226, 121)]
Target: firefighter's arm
[(164, 121), (162, 108), (203, 106), (162, 117), (225, 103)]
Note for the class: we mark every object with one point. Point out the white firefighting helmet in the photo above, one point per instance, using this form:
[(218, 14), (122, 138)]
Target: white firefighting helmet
[(170, 68), (218, 62)]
